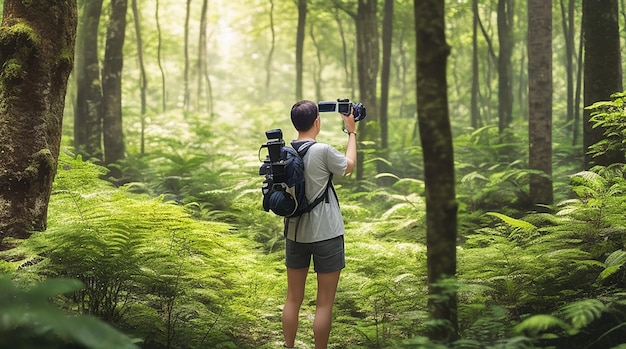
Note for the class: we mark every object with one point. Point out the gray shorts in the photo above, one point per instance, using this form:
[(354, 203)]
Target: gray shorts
[(328, 255)]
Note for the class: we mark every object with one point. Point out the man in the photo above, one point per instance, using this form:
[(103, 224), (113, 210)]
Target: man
[(319, 233)]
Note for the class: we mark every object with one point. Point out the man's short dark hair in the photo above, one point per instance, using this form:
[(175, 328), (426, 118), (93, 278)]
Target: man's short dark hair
[(303, 115)]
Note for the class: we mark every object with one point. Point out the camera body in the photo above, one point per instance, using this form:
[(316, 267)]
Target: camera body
[(343, 106), (273, 168)]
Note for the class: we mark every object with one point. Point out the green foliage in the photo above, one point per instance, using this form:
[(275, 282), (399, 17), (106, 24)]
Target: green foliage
[(30, 320), (610, 116)]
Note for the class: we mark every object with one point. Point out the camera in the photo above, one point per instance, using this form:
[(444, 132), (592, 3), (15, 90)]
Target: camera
[(273, 168), (343, 106)]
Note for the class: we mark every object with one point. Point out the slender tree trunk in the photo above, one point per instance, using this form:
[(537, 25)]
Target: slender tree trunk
[(186, 82), (567, 20), (317, 69), (603, 69), (302, 11), (36, 57), (203, 75), (88, 111), (368, 53), (578, 91), (160, 58), (143, 82), (386, 68), (475, 121), (505, 70), (268, 63), (114, 147), (347, 66), (436, 135), (540, 100)]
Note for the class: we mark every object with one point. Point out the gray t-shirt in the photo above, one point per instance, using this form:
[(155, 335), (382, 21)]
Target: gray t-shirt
[(324, 221)]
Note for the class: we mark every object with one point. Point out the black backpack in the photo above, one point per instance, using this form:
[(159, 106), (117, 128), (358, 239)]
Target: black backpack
[(283, 188)]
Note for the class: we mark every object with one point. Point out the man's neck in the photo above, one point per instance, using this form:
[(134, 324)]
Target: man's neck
[(305, 136)]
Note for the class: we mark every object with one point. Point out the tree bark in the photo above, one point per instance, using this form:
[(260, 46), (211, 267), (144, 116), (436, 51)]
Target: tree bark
[(88, 113), (505, 70), (368, 60), (36, 57), (160, 57), (143, 80), (540, 100), (475, 117), (603, 70), (302, 11), (436, 136), (270, 54), (385, 74), (112, 85)]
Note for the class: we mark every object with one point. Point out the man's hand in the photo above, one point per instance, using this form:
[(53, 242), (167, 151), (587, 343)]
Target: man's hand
[(348, 121)]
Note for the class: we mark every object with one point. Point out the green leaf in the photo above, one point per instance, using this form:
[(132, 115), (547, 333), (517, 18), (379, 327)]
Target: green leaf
[(512, 222)]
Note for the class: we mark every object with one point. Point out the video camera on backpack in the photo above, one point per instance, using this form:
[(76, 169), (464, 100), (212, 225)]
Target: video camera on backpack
[(273, 169), (283, 188)]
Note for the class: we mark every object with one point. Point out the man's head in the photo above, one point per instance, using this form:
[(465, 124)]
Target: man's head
[(303, 115)]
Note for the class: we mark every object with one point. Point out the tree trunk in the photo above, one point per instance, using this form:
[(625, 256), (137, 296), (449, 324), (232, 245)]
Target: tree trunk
[(505, 70), (475, 120), (436, 135), (160, 58), (112, 86), (567, 20), (302, 10), (36, 57), (88, 112), (143, 81), (270, 54), (186, 78), (317, 69), (603, 70), (368, 53), (384, 80), (203, 70), (540, 99)]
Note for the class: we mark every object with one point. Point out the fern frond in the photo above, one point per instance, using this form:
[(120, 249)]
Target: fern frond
[(512, 222), (582, 313), (538, 324)]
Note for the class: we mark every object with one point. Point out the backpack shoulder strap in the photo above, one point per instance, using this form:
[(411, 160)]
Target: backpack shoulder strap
[(303, 148)]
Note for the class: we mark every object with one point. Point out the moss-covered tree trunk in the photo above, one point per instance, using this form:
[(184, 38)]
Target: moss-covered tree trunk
[(436, 136), (36, 57)]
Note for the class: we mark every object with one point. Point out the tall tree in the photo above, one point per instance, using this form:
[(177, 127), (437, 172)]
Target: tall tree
[(567, 21), (88, 111), (302, 12), (270, 54), (368, 58), (540, 99), (385, 74), (36, 57), (203, 70), (603, 69), (436, 135), (159, 56), (475, 117), (505, 70), (114, 146), (143, 80), (186, 73)]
